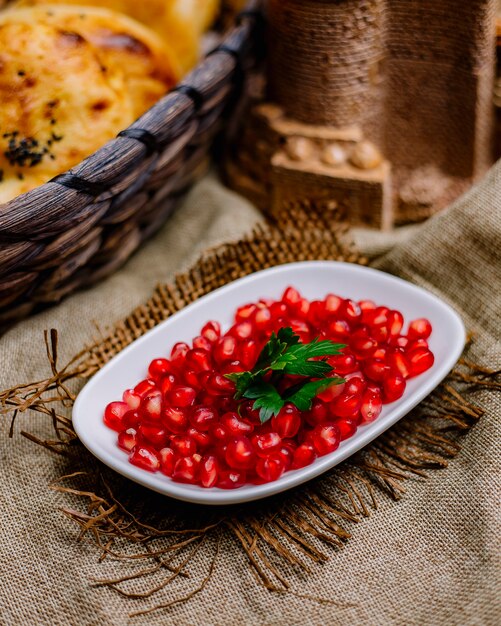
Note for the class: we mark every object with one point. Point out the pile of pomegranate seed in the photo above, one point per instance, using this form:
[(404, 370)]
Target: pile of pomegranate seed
[(184, 422)]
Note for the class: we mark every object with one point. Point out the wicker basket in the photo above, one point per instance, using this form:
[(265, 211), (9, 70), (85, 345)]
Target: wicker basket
[(84, 224)]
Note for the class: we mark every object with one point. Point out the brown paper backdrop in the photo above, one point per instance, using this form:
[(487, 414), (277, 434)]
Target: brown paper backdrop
[(430, 559)]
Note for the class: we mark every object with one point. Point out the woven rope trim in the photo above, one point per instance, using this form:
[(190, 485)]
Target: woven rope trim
[(282, 538)]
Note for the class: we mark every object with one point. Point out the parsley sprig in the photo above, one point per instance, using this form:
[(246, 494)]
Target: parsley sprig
[(283, 355)]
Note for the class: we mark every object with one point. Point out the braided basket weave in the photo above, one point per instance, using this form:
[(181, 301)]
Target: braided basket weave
[(84, 224)]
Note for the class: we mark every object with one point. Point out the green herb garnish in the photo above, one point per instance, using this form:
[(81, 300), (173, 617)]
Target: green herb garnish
[(282, 356)]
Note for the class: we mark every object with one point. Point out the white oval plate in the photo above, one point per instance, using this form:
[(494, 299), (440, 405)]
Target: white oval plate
[(314, 279)]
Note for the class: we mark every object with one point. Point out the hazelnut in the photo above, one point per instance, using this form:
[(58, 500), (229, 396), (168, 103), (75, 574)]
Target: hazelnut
[(299, 148), (333, 154), (366, 156)]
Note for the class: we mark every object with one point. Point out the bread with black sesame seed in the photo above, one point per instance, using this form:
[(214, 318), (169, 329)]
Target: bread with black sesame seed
[(70, 81)]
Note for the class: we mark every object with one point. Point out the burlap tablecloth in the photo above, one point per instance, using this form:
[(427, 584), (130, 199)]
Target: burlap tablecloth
[(432, 558)]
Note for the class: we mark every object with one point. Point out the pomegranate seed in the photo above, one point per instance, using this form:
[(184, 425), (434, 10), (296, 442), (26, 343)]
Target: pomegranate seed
[(175, 419), (347, 427), (262, 319), (145, 458), (271, 467), (202, 440), (286, 450), (132, 419), (343, 363), (154, 434), (350, 311), (114, 414), (209, 470), (317, 414), (332, 392), (355, 384), (190, 378), (371, 406), (303, 455), (219, 433), (420, 360), (151, 406), (159, 368), (167, 384), (278, 311), (144, 387), (367, 305), (186, 469), (363, 347), (338, 329), (346, 405), (245, 312), (225, 350), (287, 422), (234, 425), (231, 367), (231, 479), (127, 439), (325, 438), (198, 360), (376, 370), (178, 353), (211, 331), (360, 331), (266, 443), (332, 305), (378, 317), (167, 461), (132, 399), (182, 396), (393, 387), (317, 313), (219, 385), (302, 308), (414, 345), (183, 445), (241, 331), (399, 363), (380, 333), (395, 323), (240, 454), (419, 329), (399, 342), (379, 323), (225, 404), (203, 377), (291, 296), (380, 354), (248, 353), (202, 343), (203, 417)]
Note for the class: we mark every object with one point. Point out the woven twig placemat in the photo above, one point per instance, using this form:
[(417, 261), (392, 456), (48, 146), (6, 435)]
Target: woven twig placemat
[(282, 537)]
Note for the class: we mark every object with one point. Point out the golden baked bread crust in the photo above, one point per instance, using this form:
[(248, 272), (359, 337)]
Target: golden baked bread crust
[(179, 22), (68, 84), (123, 45), (47, 121)]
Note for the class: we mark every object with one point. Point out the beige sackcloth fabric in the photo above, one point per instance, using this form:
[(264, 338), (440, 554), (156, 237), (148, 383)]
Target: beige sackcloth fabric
[(430, 559)]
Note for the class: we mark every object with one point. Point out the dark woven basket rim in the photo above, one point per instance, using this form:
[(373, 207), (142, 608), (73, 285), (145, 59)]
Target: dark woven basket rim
[(99, 175)]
